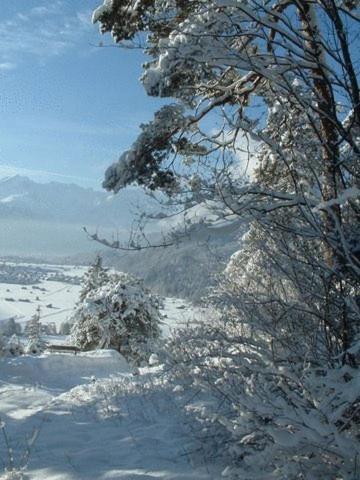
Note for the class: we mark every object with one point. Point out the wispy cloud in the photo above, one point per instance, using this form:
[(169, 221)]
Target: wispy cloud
[(40, 126), (43, 31), (6, 66)]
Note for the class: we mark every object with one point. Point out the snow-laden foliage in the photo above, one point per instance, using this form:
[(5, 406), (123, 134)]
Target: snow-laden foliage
[(281, 371), (122, 314), (95, 277), (14, 347), (268, 419), (281, 282), (33, 330), (10, 327), (142, 162), (215, 58)]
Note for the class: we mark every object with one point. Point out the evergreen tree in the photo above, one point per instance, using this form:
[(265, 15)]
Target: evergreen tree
[(33, 331), (95, 277), (65, 328), (14, 346), (123, 314)]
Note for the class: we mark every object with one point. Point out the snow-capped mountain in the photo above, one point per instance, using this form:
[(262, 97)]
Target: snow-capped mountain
[(23, 198), (47, 219)]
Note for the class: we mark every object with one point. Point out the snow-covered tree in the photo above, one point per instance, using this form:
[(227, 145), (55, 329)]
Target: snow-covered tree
[(65, 328), (33, 330), (282, 365), (122, 314), (95, 277), (14, 346), (269, 71), (10, 327)]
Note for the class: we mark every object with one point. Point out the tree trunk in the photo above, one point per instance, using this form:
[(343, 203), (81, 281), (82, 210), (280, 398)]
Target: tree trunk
[(329, 136)]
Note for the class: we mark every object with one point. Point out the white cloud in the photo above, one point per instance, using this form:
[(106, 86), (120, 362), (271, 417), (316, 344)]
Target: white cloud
[(43, 31), (5, 66)]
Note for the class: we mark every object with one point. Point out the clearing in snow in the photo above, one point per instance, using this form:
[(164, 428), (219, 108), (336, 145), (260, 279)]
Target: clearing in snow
[(87, 416)]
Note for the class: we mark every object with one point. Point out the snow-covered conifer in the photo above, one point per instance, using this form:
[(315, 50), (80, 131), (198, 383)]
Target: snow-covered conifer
[(65, 328), (33, 331), (95, 277), (14, 346), (122, 314)]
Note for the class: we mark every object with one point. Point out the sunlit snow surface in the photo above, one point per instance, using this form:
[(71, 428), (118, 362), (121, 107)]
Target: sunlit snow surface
[(86, 416), (56, 299)]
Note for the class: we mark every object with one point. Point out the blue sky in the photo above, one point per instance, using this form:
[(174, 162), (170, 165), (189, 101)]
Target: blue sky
[(68, 107)]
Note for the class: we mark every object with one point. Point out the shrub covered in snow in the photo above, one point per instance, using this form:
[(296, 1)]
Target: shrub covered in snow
[(10, 327), (266, 419), (14, 346), (33, 331), (122, 314)]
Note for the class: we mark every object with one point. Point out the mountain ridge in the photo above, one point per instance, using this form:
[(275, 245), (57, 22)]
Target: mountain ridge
[(23, 198)]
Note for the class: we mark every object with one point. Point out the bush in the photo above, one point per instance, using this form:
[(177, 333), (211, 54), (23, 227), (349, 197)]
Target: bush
[(122, 314), (264, 419), (14, 347), (10, 327)]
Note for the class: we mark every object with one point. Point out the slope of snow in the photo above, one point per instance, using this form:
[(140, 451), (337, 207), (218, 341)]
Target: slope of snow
[(102, 428), (56, 299), (87, 416), (181, 313)]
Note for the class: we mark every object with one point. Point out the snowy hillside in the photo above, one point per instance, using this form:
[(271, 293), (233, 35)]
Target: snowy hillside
[(55, 289), (87, 416), (49, 287)]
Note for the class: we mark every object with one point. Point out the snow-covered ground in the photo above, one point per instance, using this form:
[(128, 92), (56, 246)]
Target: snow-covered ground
[(180, 313), (55, 298), (87, 416)]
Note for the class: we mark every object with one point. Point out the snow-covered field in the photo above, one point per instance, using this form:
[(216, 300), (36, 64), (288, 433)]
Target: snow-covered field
[(65, 418), (57, 299), (87, 416)]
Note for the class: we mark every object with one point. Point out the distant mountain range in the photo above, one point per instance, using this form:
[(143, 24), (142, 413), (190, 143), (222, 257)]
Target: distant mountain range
[(44, 221), (47, 219), (22, 198)]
